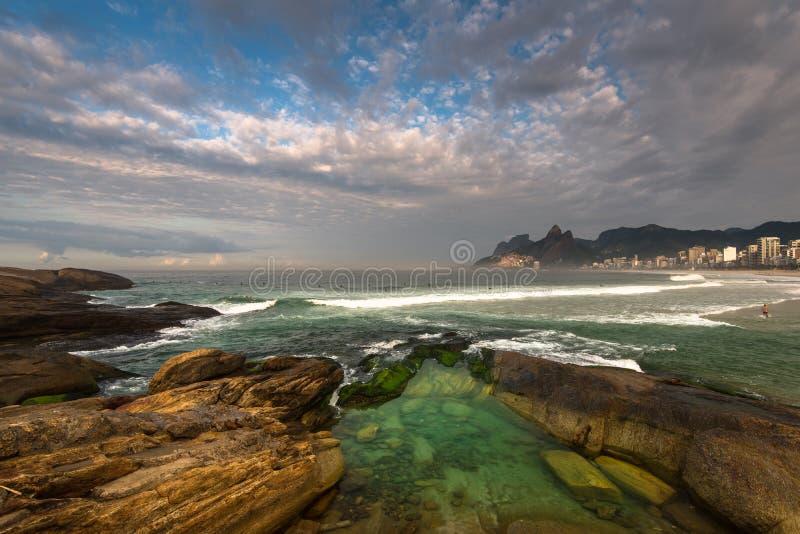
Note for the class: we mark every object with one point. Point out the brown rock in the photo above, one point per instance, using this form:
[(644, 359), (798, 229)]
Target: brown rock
[(29, 373), (205, 457), (741, 457), (194, 366)]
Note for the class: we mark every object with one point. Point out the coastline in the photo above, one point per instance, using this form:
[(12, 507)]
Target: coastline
[(783, 315)]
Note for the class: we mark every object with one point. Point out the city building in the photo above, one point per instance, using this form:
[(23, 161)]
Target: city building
[(768, 248), (696, 255), (729, 254)]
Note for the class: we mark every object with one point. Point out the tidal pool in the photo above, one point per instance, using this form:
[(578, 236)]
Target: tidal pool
[(446, 456)]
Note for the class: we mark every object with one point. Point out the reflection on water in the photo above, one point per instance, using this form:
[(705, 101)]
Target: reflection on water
[(447, 456)]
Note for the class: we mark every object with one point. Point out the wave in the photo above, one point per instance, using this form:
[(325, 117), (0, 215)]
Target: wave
[(438, 298), (686, 277), (231, 308), (565, 347), (382, 346), (667, 319)]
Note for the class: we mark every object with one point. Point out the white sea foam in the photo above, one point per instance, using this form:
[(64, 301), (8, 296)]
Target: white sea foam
[(124, 386), (686, 277), (437, 298), (430, 336), (565, 347), (236, 309), (668, 319), (382, 346)]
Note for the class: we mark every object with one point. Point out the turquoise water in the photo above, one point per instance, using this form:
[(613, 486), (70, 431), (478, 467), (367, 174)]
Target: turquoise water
[(447, 453), (646, 321)]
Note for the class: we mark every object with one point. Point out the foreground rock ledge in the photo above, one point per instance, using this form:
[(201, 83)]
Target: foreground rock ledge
[(233, 454), (739, 458)]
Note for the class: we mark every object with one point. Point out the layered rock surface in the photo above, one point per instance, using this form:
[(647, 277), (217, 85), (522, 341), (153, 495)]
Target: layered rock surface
[(740, 458), (233, 454)]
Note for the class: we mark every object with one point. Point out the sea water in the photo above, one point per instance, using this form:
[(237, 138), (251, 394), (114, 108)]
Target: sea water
[(647, 321), (447, 453)]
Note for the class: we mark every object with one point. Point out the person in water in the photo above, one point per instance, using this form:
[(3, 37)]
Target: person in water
[(765, 311)]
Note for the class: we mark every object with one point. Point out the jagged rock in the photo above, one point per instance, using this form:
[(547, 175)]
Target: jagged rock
[(219, 455), (582, 478), (194, 366), (636, 480), (739, 457)]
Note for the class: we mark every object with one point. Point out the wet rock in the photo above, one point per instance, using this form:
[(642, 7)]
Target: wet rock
[(387, 384), (367, 433), (636, 480), (689, 518), (304, 526), (423, 451), (740, 457), (194, 366), (582, 478), (457, 410)]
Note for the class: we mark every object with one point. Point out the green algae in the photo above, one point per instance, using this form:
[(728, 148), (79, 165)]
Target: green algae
[(387, 384), (51, 399), (446, 452)]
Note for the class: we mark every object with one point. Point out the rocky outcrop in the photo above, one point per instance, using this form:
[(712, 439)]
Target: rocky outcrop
[(555, 248), (29, 375), (195, 366), (38, 306), (740, 458), (234, 454)]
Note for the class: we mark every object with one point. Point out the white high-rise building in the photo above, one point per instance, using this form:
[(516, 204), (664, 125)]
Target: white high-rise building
[(729, 254)]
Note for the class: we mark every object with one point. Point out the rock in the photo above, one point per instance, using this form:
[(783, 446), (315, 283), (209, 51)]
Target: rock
[(393, 443), (457, 410), (423, 452), (219, 455), (752, 480), (740, 457), (690, 519), (787, 526), (304, 526), (37, 306), (194, 366), (447, 353), (367, 433), (33, 374), (321, 505), (386, 385), (636, 480), (430, 505), (582, 478)]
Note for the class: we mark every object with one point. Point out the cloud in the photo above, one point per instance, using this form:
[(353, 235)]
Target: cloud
[(402, 125), (56, 236), (216, 260)]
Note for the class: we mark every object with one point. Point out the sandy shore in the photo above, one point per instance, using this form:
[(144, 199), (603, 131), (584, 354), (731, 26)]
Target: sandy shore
[(782, 316)]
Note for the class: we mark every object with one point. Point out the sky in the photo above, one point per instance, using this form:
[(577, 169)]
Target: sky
[(212, 134)]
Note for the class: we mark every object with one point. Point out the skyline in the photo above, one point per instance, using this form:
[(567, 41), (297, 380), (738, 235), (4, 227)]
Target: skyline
[(213, 134)]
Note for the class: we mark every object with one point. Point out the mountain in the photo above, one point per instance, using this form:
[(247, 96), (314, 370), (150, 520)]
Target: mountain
[(646, 241), (653, 240), (555, 248)]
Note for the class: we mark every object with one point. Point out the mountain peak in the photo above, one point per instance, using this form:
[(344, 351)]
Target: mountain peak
[(555, 231)]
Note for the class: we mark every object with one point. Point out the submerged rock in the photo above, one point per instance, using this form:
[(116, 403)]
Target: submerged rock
[(582, 478), (636, 480), (221, 455), (367, 433)]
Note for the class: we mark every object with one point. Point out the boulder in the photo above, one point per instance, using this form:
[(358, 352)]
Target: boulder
[(582, 478), (34, 374), (367, 433), (194, 366), (738, 457), (636, 480), (214, 456)]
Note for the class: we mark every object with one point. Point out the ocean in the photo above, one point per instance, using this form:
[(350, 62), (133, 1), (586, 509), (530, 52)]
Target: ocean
[(651, 322)]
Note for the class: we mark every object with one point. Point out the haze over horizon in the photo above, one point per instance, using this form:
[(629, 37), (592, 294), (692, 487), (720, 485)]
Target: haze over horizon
[(211, 134)]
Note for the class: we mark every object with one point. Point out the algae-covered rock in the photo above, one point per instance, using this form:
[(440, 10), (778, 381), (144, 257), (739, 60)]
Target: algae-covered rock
[(448, 354), (636, 480), (582, 478), (445, 383), (423, 452), (386, 385), (367, 433), (455, 409)]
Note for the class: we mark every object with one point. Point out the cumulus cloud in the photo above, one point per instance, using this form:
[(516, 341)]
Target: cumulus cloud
[(490, 118)]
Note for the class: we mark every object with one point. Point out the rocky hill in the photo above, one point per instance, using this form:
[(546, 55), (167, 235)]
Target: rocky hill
[(556, 248), (646, 241)]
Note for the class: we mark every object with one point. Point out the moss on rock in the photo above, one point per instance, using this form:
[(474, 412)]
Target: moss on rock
[(51, 399), (386, 385)]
